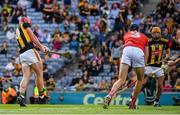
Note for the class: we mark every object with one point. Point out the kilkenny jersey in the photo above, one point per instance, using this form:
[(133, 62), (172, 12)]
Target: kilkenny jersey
[(23, 39), (156, 49)]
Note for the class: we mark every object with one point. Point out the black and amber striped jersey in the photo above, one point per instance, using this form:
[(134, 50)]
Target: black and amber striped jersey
[(156, 48), (23, 39)]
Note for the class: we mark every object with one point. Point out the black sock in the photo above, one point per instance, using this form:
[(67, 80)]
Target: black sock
[(157, 100)]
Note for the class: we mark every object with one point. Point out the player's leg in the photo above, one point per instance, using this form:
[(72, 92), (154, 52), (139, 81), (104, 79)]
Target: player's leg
[(159, 88), (23, 85), (123, 71), (159, 82), (139, 66), (38, 69), (140, 76), (118, 84), (159, 85)]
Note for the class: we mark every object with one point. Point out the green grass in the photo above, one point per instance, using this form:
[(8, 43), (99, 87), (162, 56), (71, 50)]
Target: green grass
[(85, 109)]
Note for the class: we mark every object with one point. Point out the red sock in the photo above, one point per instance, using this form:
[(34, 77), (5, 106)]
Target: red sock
[(133, 101)]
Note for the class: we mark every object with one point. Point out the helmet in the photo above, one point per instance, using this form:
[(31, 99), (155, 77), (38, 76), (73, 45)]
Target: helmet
[(134, 27), (156, 30), (25, 20)]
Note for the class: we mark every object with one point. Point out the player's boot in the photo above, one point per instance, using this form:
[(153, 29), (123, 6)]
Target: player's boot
[(21, 100), (128, 102), (107, 101), (132, 103), (157, 104), (42, 99)]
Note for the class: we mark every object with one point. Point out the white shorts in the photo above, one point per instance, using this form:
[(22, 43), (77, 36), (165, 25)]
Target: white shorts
[(29, 57), (133, 56), (150, 69)]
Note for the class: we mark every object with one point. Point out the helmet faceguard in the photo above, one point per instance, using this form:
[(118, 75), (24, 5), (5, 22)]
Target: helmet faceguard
[(156, 32)]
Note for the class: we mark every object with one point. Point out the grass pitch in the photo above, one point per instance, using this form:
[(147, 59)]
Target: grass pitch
[(85, 109)]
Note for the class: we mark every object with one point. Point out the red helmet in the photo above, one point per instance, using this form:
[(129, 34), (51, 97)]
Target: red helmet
[(25, 20)]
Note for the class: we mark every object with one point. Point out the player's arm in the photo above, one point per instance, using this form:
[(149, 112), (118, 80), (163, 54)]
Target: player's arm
[(146, 54), (166, 44), (146, 51), (177, 60), (35, 40), (168, 53), (171, 63)]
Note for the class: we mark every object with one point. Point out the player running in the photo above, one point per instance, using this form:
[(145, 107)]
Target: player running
[(134, 55), (29, 59), (156, 46)]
